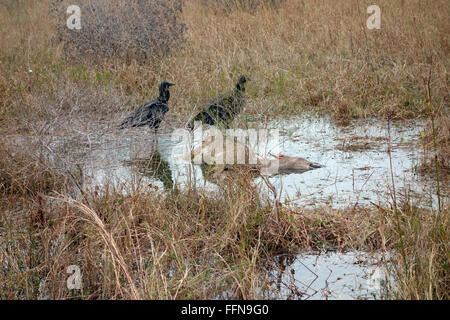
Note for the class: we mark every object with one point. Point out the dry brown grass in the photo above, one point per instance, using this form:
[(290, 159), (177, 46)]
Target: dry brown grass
[(301, 56), (305, 55), (144, 245), (189, 244), (426, 247), (110, 29)]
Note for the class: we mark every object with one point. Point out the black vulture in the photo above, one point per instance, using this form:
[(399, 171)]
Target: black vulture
[(224, 108), (150, 113)]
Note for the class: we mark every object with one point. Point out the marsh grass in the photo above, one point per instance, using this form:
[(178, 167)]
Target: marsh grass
[(302, 56), (420, 242), (315, 56), (190, 244), (225, 6), (146, 245), (129, 30)]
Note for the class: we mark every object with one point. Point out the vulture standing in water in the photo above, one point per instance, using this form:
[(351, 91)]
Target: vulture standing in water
[(150, 113)]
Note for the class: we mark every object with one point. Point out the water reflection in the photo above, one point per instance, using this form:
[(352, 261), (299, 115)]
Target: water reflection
[(355, 170), (154, 167), (332, 275)]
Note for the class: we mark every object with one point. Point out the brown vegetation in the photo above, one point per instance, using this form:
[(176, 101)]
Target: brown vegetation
[(301, 55)]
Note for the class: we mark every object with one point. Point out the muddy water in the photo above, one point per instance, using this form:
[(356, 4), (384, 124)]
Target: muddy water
[(333, 275), (356, 162), (355, 159)]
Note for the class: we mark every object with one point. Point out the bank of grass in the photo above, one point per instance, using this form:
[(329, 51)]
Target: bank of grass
[(301, 55), (305, 55)]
